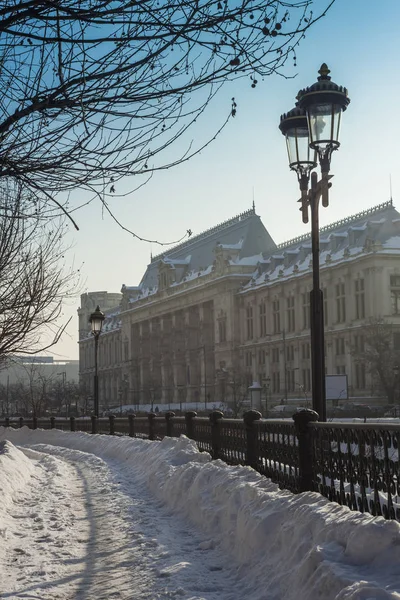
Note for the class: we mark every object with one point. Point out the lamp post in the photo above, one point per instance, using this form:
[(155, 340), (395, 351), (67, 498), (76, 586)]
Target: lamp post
[(267, 387), (396, 371), (96, 321), (312, 133)]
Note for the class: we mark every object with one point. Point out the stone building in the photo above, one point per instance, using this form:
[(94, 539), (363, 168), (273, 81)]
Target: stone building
[(229, 307)]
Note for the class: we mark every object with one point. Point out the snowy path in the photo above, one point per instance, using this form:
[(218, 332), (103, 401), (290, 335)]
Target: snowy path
[(85, 529), (92, 517)]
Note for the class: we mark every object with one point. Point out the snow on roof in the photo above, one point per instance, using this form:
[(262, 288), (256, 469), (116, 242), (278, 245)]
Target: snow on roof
[(177, 261), (326, 258), (378, 222), (237, 246), (248, 260), (339, 234), (392, 243)]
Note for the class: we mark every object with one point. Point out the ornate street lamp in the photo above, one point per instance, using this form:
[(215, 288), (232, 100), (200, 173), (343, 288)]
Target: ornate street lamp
[(96, 321), (302, 158), (312, 131)]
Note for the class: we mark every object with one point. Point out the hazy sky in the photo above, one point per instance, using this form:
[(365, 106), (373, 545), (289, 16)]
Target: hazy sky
[(360, 42)]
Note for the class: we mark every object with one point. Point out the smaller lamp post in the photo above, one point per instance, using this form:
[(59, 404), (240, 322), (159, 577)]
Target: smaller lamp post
[(267, 386), (96, 321), (120, 392), (255, 395), (180, 396)]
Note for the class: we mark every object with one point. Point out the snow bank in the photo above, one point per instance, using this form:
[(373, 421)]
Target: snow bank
[(15, 473), (292, 547)]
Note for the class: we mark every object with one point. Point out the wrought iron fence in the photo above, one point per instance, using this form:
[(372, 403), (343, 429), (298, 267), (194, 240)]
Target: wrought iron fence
[(356, 465)]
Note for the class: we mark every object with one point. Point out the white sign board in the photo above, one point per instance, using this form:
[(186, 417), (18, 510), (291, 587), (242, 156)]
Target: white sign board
[(336, 387)]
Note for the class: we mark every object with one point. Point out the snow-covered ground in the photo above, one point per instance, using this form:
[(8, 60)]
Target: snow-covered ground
[(86, 516)]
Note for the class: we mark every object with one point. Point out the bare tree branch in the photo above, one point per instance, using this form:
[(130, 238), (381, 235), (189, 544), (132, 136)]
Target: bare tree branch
[(33, 282), (97, 90)]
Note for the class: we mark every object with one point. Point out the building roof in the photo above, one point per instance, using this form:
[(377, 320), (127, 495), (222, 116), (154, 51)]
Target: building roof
[(374, 230), (245, 235), (245, 241)]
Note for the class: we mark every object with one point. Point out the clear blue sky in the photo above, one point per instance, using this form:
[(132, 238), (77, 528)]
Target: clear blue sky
[(360, 42)]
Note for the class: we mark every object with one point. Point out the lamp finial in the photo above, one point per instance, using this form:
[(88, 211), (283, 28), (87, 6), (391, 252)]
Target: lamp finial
[(324, 72)]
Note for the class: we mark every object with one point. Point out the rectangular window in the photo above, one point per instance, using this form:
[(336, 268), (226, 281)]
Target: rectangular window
[(249, 359), (325, 294), (340, 303), (306, 379), (291, 321), (276, 382), (275, 355), (305, 351), (289, 353), (263, 319), (276, 316), (395, 294), (306, 310), (359, 344), (360, 376), (396, 341), (249, 322), (359, 298), (291, 380), (340, 346), (261, 357), (222, 330)]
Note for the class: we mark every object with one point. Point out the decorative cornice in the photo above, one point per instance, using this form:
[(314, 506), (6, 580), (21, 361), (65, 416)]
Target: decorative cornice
[(345, 221)]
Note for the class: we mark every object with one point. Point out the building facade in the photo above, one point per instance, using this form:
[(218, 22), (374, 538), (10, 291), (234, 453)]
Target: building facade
[(229, 307)]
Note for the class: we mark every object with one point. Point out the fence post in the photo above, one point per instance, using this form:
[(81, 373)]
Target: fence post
[(52, 422), (112, 424), (151, 417), (301, 420), (7, 422), (249, 419), (131, 419), (94, 423), (21, 422), (34, 423), (72, 423), (170, 424), (215, 418), (189, 416)]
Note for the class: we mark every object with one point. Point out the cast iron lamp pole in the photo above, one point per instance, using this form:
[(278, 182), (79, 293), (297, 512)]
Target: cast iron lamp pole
[(312, 131), (96, 321)]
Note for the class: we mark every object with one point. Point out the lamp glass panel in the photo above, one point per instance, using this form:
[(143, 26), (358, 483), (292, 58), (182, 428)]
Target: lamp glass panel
[(324, 124), (96, 325), (298, 146)]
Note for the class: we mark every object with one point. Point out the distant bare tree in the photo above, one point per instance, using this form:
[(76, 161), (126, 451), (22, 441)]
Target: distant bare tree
[(238, 385), (32, 388), (33, 283), (381, 356), (95, 90)]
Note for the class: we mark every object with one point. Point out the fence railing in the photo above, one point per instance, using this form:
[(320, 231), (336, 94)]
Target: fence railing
[(356, 465)]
